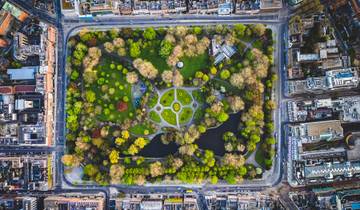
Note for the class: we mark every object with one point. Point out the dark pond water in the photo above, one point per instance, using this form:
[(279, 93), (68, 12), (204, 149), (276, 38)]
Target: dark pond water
[(211, 140)]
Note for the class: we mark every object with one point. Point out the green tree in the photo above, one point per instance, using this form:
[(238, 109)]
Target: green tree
[(90, 96), (149, 33), (225, 74), (166, 49), (91, 170), (240, 29), (134, 50)]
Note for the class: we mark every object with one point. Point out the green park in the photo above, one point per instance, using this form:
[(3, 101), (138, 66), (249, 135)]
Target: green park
[(130, 88)]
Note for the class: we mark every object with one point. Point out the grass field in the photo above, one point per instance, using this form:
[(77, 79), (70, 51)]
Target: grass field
[(154, 116), (140, 129), (110, 88), (169, 116), (167, 98), (194, 64), (151, 53), (185, 115), (183, 96)]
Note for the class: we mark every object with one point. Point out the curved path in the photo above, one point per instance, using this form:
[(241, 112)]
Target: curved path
[(158, 108)]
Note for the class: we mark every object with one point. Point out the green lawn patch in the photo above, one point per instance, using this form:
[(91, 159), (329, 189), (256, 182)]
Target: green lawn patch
[(151, 53), (198, 115), (194, 64), (154, 117), (169, 116), (111, 89), (218, 83), (183, 96), (260, 157), (141, 129), (167, 98), (185, 115), (198, 96), (153, 100)]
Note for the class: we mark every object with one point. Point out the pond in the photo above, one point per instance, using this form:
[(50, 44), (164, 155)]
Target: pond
[(211, 140)]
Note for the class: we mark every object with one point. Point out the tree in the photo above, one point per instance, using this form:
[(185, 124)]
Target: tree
[(132, 77), (109, 47), (114, 157), (240, 29), (116, 173), (178, 79), (214, 180), (90, 96), (237, 80), (166, 48), (236, 103), (225, 74), (132, 150), (135, 50), (233, 160), (149, 33), (140, 142), (145, 68), (222, 117), (188, 149), (125, 134), (259, 29), (119, 141), (156, 169), (91, 170), (114, 33), (70, 160), (167, 76)]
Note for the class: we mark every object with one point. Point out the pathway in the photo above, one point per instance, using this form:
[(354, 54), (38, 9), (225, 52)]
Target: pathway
[(158, 108)]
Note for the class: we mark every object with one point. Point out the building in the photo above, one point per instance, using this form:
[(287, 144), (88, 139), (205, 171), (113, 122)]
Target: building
[(221, 51), (26, 172), (348, 109), (317, 131), (157, 201), (71, 201), (12, 203), (23, 73), (270, 5), (343, 78), (251, 200)]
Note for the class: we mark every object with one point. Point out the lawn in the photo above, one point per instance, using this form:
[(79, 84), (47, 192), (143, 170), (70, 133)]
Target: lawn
[(185, 115), (111, 89), (217, 82), (260, 156), (153, 100), (167, 98), (154, 117), (183, 97), (141, 129), (151, 53), (198, 96), (169, 116), (194, 64)]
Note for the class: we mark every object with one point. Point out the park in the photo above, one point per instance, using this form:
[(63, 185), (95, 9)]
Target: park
[(171, 104)]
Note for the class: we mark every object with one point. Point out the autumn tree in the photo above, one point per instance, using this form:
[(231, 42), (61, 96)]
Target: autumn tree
[(178, 79), (132, 77), (116, 173), (145, 68), (236, 103), (156, 169), (167, 76)]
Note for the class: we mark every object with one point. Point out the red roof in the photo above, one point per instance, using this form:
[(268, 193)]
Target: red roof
[(6, 90), (24, 88)]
